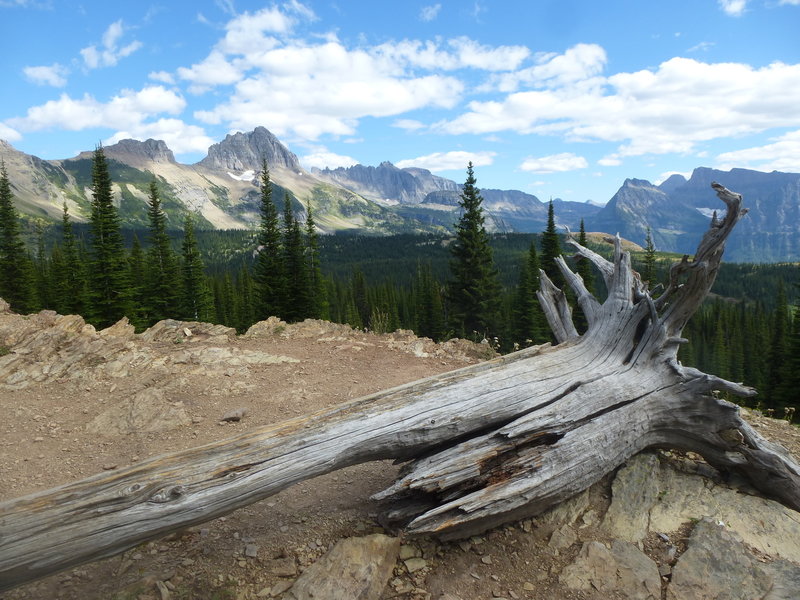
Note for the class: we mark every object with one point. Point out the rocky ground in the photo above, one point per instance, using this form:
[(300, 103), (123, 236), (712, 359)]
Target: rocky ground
[(76, 402)]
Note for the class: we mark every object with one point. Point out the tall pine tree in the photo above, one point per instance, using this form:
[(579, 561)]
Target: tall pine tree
[(474, 290), (74, 295), (109, 282), (528, 317), (16, 274), (551, 249), (162, 287), (318, 303), (649, 270), (296, 307), (196, 304), (269, 272)]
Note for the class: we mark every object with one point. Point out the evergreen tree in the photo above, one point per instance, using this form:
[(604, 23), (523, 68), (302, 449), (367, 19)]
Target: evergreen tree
[(269, 272), (790, 380), (296, 307), (318, 304), (245, 298), (73, 292), (474, 290), (585, 265), (41, 273), (429, 310), (528, 316), (360, 302), (109, 283), (161, 281), (778, 351), (16, 275), (584, 269), (649, 270), (138, 313), (551, 249), (196, 303)]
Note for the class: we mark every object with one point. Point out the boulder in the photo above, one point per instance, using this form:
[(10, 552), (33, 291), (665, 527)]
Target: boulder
[(718, 565), (621, 569), (354, 569)]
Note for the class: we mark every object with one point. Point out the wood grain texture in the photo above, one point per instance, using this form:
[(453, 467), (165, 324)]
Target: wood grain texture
[(486, 444)]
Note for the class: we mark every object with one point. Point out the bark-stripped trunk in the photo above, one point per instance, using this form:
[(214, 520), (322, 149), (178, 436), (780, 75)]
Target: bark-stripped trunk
[(489, 443)]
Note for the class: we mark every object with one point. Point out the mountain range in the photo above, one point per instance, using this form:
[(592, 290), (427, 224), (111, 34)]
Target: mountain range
[(222, 192)]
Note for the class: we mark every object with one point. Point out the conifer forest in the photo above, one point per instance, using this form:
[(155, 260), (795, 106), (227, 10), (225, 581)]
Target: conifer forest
[(469, 284)]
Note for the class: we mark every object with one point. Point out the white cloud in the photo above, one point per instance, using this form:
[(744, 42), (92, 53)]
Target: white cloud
[(162, 76), (733, 8), (580, 63), (245, 33), (9, 134), (448, 161), (179, 136), (55, 75), (701, 47), (324, 89), (408, 124), (127, 110), (660, 111), (214, 70), (429, 13), (790, 2), (555, 163), (612, 160), (109, 53), (783, 154), (322, 159), (455, 53)]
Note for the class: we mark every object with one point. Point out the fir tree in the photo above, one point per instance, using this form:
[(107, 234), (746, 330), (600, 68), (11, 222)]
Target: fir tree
[(41, 273), (584, 269), (551, 249), (16, 275), (778, 351), (196, 303), (527, 313), (268, 272), (474, 290), (109, 282), (585, 265), (162, 291), (296, 307), (140, 300), (73, 293), (649, 270), (318, 304)]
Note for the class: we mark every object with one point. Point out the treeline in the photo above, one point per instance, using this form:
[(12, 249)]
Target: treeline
[(469, 284)]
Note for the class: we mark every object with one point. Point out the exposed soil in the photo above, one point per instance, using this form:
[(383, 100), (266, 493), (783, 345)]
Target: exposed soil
[(46, 441)]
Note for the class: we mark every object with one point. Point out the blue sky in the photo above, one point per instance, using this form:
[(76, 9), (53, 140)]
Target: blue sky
[(561, 98)]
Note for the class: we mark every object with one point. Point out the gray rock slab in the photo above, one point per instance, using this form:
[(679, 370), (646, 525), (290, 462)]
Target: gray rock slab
[(652, 496), (354, 569), (622, 569), (717, 566)]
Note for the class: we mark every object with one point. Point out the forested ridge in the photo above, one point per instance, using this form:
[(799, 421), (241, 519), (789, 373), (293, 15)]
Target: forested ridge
[(469, 284)]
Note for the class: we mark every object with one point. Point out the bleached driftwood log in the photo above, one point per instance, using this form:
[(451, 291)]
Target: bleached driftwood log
[(489, 443)]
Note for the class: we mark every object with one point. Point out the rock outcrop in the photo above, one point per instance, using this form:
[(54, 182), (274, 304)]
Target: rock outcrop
[(133, 151), (242, 152)]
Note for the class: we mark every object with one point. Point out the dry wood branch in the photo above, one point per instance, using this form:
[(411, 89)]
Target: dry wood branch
[(486, 444)]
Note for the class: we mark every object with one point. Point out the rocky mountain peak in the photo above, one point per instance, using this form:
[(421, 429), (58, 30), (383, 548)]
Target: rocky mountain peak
[(244, 152), (154, 150)]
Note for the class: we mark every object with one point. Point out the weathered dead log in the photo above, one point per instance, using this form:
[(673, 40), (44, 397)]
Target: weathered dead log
[(490, 443)]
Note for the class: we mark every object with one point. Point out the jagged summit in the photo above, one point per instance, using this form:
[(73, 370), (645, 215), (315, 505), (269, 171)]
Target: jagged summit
[(244, 152), (154, 150)]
